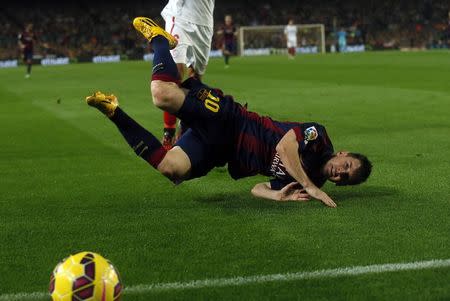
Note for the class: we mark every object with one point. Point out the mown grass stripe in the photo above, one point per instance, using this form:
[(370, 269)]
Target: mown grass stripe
[(258, 279)]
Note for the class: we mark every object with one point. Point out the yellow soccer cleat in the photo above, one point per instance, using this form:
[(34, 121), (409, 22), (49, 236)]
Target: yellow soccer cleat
[(106, 104), (150, 29)]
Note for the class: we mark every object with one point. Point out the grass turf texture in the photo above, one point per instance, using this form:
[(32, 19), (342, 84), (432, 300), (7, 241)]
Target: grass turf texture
[(69, 182)]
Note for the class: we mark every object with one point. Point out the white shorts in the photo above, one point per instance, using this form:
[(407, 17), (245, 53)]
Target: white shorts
[(291, 43), (194, 43)]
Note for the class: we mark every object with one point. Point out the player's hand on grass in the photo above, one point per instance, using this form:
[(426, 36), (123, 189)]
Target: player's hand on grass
[(321, 196), (292, 192)]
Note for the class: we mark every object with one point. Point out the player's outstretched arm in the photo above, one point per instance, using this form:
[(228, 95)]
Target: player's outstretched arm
[(290, 192), (288, 149), (20, 44)]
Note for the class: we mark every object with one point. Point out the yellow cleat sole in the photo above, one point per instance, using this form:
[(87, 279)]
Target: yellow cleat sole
[(149, 29)]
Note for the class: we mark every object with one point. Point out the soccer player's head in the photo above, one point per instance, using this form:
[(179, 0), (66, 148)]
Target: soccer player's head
[(228, 20), (346, 168)]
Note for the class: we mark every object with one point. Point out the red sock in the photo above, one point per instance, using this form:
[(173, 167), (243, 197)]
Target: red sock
[(170, 121)]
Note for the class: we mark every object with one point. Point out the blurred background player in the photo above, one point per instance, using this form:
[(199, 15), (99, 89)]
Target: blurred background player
[(191, 22), (290, 32), (228, 33), (342, 39), (26, 41)]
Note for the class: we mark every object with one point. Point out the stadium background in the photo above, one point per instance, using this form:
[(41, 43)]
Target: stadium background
[(83, 29), (69, 183)]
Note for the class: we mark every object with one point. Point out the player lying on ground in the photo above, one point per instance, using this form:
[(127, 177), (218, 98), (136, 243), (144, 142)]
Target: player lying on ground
[(221, 131)]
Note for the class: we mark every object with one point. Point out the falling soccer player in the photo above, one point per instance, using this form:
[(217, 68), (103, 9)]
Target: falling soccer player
[(191, 23), (298, 156)]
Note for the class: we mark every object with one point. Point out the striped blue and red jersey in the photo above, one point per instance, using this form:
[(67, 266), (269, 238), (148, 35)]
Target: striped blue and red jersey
[(27, 38), (228, 33), (226, 132), (254, 150)]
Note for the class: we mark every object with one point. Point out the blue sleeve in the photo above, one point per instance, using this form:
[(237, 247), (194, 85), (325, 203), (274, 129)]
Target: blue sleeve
[(277, 184)]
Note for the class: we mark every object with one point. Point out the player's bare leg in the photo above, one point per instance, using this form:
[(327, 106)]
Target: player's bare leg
[(171, 135), (167, 95), (165, 77), (150, 30), (176, 165)]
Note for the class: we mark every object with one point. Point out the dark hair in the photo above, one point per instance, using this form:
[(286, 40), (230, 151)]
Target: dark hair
[(362, 173)]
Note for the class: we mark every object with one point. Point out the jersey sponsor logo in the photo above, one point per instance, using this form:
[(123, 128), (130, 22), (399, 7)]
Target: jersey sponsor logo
[(311, 134), (277, 168)]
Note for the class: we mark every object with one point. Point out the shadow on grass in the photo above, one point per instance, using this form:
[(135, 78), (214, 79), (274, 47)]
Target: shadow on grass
[(364, 192), (245, 200), (221, 197)]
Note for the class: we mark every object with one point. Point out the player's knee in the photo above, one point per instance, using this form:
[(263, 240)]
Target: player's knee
[(158, 93), (170, 169), (163, 93)]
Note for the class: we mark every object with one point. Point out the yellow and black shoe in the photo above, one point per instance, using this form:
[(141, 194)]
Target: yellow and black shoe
[(149, 29), (106, 104)]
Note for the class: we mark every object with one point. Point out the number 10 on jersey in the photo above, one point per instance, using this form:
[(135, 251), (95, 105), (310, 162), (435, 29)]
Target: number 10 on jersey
[(212, 103)]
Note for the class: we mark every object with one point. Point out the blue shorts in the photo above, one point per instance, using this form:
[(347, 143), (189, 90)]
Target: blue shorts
[(230, 47), (202, 155), (27, 55), (208, 114)]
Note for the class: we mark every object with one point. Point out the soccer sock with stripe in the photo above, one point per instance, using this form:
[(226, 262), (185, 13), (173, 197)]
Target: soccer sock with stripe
[(144, 144), (170, 123), (164, 67)]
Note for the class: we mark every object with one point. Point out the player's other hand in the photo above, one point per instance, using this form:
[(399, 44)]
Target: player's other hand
[(321, 196), (293, 192)]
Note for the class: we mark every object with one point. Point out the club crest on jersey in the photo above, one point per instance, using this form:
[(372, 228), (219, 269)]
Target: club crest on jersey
[(310, 134), (203, 94)]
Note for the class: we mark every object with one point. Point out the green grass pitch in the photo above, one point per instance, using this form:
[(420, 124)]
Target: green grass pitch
[(70, 183)]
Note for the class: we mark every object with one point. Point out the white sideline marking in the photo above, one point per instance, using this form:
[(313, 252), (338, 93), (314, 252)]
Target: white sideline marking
[(24, 296), (236, 281)]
